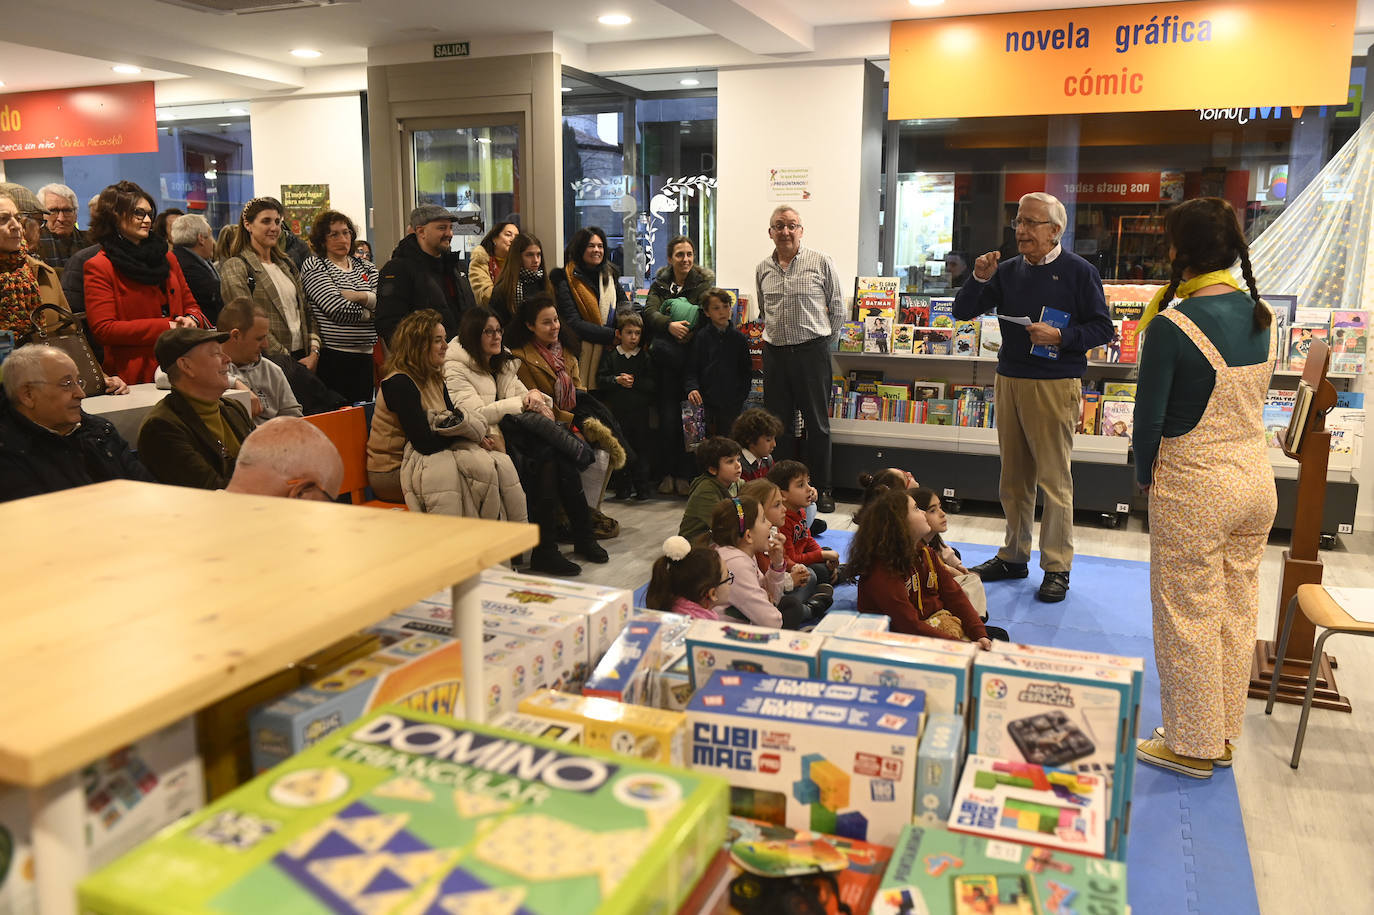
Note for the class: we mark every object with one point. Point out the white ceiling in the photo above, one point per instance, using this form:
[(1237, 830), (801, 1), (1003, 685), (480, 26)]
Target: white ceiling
[(55, 43)]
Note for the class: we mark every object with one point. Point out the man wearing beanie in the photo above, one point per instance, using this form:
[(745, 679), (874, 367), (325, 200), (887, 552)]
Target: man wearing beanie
[(192, 437)]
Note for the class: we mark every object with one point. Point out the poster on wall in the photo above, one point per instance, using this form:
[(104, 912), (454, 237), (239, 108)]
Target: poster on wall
[(303, 203), (786, 184), (85, 121)]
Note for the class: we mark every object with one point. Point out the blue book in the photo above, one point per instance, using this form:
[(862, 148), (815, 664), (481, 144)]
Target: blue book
[(1351, 399), (1054, 318)]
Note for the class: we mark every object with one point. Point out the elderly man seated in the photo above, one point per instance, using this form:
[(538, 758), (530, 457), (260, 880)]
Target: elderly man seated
[(47, 442), (288, 457), (192, 437)]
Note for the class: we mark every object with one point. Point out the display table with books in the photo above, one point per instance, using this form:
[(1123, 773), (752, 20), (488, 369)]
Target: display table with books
[(132, 605)]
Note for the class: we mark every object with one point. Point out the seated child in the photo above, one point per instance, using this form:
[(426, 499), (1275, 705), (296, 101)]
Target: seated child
[(793, 479), (688, 580), (740, 531), (719, 368), (816, 597), (875, 483), (899, 576), (757, 431), (625, 382), (718, 458), (928, 502)]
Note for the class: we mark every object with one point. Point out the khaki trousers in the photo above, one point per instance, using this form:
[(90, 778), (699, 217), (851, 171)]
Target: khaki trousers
[(1035, 422)]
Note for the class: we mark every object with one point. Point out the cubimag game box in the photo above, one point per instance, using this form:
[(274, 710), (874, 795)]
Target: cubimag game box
[(837, 766), (406, 812)]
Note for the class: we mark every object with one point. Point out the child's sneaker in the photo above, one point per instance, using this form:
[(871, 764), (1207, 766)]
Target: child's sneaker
[(1224, 760), (1156, 752)]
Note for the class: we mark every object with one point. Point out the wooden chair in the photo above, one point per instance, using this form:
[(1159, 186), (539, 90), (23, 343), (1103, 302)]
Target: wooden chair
[(1324, 612), (347, 429)]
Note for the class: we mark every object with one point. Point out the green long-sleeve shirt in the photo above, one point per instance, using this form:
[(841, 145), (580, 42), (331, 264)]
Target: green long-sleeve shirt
[(1176, 380)]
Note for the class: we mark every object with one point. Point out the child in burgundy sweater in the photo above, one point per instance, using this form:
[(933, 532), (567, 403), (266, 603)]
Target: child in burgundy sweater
[(900, 577)]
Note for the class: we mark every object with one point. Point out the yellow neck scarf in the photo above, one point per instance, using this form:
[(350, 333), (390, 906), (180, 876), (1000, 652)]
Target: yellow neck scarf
[(1185, 289)]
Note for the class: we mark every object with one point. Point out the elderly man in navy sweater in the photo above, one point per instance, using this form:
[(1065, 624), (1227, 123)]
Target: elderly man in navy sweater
[(1038, 396)]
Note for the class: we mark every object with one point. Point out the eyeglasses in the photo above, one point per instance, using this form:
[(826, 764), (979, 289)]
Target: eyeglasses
[(67, 386), (789, 226), (729, 579), (491, 331), (312, 491), (1022, 222), (138, 214), (61, 211)]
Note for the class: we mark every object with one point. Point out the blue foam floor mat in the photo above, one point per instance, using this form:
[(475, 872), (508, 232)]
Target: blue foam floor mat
[(1175, 819)]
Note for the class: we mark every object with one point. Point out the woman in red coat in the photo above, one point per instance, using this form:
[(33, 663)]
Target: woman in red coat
[(134, 287)]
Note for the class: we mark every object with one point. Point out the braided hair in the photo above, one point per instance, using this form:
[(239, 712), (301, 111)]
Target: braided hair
[(1205, 234)]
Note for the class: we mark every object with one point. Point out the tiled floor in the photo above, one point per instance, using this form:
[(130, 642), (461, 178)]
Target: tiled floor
[(1310, 831)]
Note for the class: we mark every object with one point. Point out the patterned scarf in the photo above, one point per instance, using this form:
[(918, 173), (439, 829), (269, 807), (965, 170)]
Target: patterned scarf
[(19, 294), (1185, 289), (526, 276), (595, 307), (564, 391), (494, 266)]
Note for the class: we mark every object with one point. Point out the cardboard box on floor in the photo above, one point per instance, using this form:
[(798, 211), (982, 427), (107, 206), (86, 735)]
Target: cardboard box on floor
[(714, 645), (130, 795), (940, 668)]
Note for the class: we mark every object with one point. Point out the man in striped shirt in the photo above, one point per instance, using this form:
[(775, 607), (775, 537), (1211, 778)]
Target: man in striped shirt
[(802, 307)]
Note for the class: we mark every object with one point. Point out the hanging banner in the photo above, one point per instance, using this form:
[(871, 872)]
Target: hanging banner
[(1144, 57), (89, 121)]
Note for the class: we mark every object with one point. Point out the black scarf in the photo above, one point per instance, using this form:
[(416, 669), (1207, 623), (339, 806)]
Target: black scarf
[(533, 278), (144, 263)]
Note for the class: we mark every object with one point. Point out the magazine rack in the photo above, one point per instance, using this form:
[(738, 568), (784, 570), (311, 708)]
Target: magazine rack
[(1301, 564)]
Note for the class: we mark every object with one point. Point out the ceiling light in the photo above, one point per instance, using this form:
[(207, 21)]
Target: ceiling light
[(237, 111), (689, 81), (307, 53), (128, 69), (614, 19), (926, 2), (224, 124)]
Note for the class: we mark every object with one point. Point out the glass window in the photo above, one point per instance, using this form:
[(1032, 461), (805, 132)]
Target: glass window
[(473, 171), (204, 162), (644, 184), (958, 181)]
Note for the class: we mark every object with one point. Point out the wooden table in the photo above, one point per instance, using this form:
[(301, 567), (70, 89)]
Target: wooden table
[(126, 411), (131, 605)]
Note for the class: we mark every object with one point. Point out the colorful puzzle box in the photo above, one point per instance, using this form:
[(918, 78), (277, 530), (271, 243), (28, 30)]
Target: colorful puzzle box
[(910, 661), (629, 670), (939, 760), (838, 766), (606, 607), (1050, 711), (406, 812), (713, 645), (1036, 805), (421, 672), (937, 872), (630, 730)]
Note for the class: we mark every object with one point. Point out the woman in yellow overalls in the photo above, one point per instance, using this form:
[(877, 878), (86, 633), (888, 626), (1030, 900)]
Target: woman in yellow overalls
[(1200, 453)]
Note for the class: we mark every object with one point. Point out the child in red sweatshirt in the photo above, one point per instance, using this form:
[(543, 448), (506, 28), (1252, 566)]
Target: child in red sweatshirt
[(900, 577), (794, 480)]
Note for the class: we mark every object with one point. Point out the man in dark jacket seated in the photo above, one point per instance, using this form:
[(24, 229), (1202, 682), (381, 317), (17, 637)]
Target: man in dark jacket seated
[(424, 272), (47, 442), (192, 437)]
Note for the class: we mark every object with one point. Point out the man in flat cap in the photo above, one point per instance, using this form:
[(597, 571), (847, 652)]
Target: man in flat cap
[(192, 437), (424, 272)]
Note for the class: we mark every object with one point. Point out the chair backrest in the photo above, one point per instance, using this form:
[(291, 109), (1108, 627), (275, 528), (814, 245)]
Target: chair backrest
[(347, 429)]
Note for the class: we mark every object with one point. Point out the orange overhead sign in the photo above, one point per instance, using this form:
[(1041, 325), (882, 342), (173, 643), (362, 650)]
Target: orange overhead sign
[(1145, 57)]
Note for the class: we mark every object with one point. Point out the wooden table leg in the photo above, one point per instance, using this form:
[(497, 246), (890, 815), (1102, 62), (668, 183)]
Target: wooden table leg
[(58, 812), (467, 627)]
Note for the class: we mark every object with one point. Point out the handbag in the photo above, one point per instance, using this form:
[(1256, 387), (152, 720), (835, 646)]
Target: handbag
[(70, 337)]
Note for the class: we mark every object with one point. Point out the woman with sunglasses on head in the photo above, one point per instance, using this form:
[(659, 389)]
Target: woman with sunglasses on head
[(257, 268), (134, 286)]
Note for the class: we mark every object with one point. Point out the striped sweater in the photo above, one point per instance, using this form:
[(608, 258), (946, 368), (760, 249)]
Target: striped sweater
[(344, 326)]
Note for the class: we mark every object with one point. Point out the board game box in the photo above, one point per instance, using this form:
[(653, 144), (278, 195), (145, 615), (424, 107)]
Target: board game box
[(559, 646), (831, 765), (630, 730), (715, 645), (1035, 805), (407, 812), (937, 872), (539, 726), (606, 607), (423, 672), (938, 762), (901, 661), (628, 672), (1049, 711)]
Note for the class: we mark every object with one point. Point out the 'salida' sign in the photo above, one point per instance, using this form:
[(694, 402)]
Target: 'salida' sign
[(1147, 57)]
